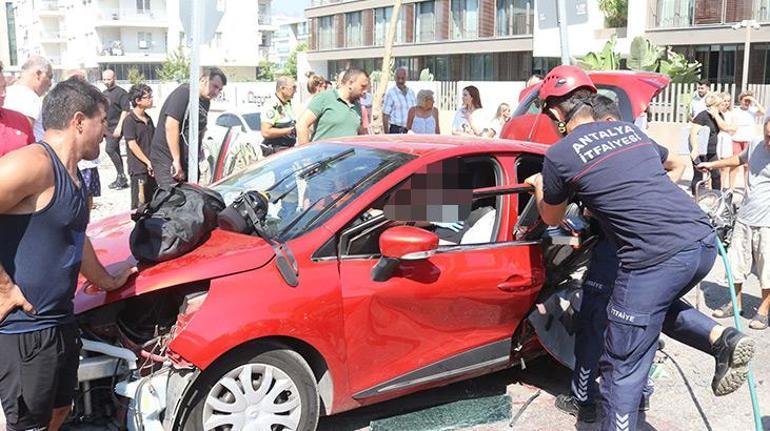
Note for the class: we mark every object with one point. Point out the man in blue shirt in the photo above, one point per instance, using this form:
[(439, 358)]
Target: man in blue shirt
[(665, 246)]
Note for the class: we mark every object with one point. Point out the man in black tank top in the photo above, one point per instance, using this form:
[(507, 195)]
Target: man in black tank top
[(44, 215)]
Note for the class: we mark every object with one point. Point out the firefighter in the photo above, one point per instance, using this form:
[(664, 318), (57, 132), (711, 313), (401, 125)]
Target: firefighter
[(665, 244)]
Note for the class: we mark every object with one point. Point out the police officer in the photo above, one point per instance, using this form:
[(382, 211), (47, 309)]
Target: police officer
[(278, 121), (665, 246)]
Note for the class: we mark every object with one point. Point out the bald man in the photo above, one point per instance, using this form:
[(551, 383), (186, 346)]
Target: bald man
[(26, 94)]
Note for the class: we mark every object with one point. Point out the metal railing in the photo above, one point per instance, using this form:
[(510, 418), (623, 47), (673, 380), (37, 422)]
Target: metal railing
[(673, 103), (683, 13), (48, 5), (109, 14)]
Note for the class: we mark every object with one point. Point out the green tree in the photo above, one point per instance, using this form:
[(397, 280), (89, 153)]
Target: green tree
[(175, 68), (607, 59), (135, 77), (266, 71), (615, 12), (291, 63)]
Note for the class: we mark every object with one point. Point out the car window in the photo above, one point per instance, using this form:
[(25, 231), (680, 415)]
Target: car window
[(253, 120), (531, 105), (432, 203), (228, 120), (303, 195)]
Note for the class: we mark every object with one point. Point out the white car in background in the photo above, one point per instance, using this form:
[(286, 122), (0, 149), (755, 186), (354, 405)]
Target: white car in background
[(231, 143)]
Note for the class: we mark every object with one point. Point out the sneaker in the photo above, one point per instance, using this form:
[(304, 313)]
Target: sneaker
[(120, 183), (732, 351), (570, 405)]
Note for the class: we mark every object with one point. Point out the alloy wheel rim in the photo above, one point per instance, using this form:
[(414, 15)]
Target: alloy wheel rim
[(253, 397)]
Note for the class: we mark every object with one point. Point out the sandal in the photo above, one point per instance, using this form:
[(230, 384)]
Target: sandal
[(725, 311), (759, 322)]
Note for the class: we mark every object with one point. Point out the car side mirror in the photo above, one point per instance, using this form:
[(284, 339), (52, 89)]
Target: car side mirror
[(403, 243)]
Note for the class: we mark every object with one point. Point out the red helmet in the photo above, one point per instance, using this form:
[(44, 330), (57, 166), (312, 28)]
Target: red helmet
[(565, 79)]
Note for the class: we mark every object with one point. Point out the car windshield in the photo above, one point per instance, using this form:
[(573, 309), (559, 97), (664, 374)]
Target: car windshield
[(309, 184), (252, 120)]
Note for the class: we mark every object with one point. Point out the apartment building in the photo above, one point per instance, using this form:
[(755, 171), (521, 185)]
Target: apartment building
[(455, 39), (290, 34), (137, 34), (703, 31)]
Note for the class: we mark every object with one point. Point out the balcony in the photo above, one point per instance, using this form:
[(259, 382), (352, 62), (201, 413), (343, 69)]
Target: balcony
[(131, 18), (315, 3), (115, 52), (49, 8), (701, 13), (52, 37)]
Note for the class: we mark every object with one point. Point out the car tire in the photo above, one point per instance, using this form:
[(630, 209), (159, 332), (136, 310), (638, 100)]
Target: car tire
[(214, 404)]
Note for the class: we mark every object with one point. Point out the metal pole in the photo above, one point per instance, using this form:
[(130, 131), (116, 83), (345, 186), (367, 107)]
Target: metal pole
[(562, 14), (746, 50), (192, 138)]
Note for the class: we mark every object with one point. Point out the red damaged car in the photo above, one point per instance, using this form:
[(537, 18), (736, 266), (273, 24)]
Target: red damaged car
[(350, 298), (360, 287)]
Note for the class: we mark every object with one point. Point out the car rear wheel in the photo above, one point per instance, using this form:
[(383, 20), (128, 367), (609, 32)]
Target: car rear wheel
[(273, 391)]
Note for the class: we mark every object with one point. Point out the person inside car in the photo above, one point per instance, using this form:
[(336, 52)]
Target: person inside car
[(666, 245)]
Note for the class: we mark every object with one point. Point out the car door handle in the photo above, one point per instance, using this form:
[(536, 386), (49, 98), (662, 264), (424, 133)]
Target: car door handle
[(516, 283)]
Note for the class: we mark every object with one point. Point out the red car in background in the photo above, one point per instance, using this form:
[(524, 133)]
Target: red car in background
[(633, 91)]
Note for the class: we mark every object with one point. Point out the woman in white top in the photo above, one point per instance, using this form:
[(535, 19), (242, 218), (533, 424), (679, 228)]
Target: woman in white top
[(725, 138), (467, 121), (745, 119), (502, 116), (423, 117)]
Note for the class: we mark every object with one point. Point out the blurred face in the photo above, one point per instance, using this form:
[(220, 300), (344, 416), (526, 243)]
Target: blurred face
[(767, 135), (506, 112), (746, 103), (702, 90), (400, 77), (2, 89), (467, 99), (427, 103), (287, 91), (146, 101), (725, 104), (210, 88), (358, 87), (108, 78), (90, 132), (42, 82)]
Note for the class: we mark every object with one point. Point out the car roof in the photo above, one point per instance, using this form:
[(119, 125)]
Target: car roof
[(423, 145)]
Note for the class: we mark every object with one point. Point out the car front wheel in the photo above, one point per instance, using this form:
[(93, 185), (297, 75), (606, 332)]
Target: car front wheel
[(273, 391)]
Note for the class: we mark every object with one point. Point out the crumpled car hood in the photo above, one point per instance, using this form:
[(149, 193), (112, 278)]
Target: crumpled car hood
[(222, 254)]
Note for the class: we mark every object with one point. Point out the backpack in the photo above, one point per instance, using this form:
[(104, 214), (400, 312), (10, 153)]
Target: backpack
[(175, 221)]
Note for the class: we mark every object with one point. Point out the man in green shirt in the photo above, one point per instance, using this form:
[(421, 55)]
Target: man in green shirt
[(335, 113), (277, 116)]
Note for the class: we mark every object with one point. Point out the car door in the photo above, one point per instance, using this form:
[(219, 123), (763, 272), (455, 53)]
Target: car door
[(444, 317)]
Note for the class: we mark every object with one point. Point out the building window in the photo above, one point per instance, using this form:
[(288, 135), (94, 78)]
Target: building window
[(465, 19), (426, 21), (144, 39), (382, 23), (10, 13), (142, 6), (514, 17), (216, 41), (673, 13), (325, 32), (353, 31)]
